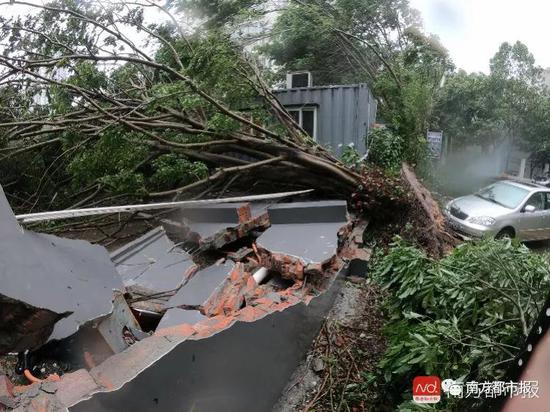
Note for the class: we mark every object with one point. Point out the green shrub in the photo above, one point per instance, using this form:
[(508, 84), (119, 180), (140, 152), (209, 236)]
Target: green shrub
[(350, 156), (464, 316), (385, 149)]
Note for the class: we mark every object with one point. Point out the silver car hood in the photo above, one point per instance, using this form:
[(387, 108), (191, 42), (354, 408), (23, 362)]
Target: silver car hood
[(475, 206)]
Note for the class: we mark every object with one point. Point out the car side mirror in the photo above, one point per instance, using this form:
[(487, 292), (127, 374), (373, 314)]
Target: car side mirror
[(529, 209)]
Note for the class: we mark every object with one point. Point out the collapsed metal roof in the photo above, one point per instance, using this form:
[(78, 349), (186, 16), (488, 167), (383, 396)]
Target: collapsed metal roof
[(319, 220), (153, 261), (231, 289)]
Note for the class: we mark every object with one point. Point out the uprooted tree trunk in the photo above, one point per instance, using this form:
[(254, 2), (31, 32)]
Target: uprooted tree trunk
[(435, 237), (401, 205)]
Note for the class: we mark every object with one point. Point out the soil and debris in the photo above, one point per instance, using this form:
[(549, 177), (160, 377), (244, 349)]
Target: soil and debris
[(401, 205), (348, 347)]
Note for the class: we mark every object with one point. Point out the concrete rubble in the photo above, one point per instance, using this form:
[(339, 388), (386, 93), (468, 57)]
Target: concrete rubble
[(212, 310), (49, 286)]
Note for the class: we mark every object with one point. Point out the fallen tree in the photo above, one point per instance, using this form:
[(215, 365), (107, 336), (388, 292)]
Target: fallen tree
[(175, 115), (194, 98)]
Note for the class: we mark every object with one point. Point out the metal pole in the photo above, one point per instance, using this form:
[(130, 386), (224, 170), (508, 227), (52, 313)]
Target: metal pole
[(71, 213)]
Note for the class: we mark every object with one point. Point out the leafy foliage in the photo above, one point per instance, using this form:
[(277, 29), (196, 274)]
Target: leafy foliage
[(463, 316), (508, 105), (101, 147), (172, 169), (385, 149), (111, 160), (350, 156)]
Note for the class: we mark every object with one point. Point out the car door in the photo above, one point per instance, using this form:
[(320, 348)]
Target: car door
[(546, 217), (533, 225)]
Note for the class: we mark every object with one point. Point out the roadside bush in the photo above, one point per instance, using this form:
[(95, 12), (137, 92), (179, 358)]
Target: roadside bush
[(462, 317), (385, 149)]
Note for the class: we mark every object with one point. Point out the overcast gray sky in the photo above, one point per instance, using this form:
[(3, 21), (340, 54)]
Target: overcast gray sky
[(472, 30)]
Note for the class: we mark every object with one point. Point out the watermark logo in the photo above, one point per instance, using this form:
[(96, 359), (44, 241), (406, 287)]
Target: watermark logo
[(426, 389), (487, 389), (453, 388)]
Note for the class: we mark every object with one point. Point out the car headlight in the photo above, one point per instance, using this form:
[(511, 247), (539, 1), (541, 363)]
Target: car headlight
[(481, 220)]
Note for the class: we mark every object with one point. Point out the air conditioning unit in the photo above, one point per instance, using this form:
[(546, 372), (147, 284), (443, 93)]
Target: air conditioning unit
[(298, 79)]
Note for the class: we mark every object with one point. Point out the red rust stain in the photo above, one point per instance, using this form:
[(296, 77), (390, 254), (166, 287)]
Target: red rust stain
[(184, 330)]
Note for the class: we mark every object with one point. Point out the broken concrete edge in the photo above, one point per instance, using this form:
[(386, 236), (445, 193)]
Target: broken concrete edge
[(121, 368), (235, 232), (35, 313), (213, 325), (51, 395), (217, 374), (48, 332)]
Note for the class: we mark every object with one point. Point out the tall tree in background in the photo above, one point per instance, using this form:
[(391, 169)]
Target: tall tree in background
[(507, 107), (377, 42), (466, 110), (518, 84)]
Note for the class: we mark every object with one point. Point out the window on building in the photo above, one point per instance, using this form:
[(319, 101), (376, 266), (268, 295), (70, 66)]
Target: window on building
[(306, 117)]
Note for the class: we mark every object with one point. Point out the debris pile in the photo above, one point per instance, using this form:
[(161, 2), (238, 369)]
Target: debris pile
[(85, 322)]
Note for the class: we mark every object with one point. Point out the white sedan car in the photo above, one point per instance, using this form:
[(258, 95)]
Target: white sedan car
[(504, 209)]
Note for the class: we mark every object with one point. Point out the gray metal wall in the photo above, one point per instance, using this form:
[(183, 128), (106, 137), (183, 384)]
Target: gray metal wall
[(344, 113)]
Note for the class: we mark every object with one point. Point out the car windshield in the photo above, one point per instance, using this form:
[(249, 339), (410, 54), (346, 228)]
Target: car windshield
[(504, 194)]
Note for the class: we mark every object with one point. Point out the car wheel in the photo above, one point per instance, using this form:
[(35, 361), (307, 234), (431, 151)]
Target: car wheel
[(506, 233)]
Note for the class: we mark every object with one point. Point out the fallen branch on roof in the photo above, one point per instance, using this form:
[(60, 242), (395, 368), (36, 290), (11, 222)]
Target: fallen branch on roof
[(270, 146)]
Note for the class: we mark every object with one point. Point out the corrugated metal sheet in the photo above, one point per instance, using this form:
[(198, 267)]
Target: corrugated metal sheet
[(344, 113)]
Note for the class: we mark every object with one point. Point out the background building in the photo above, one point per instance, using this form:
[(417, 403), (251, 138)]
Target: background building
[(335, 116)]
